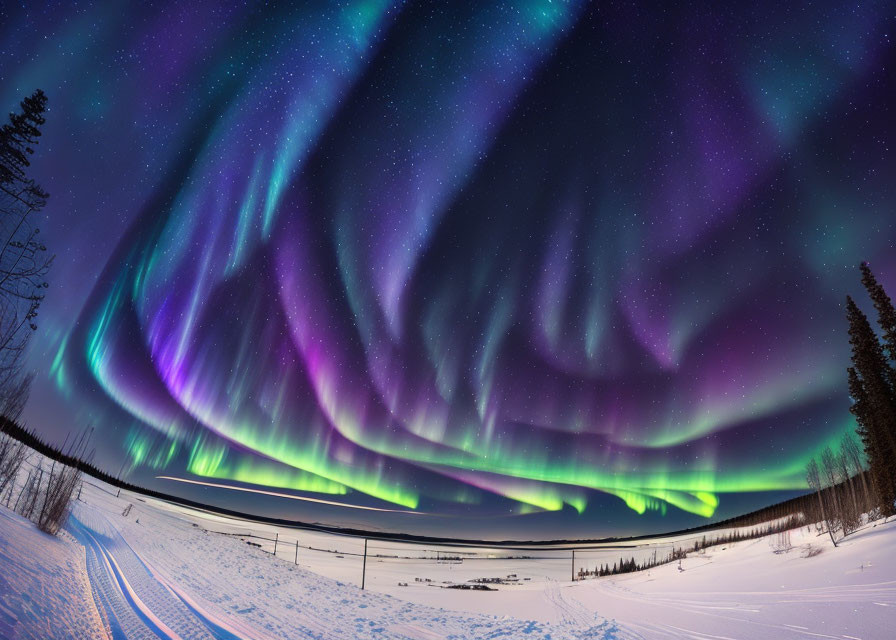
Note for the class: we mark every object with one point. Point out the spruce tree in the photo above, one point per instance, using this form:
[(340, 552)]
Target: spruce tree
[(886, 314), (874, 404), (861, 410), (17, 140)]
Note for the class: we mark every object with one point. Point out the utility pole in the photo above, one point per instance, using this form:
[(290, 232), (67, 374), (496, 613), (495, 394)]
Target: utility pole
[(573, 568), (118, 477), (297, 551), (276, 539), (364, 566)]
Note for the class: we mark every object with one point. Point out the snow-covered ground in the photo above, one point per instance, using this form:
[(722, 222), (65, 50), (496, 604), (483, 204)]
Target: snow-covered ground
[(170, 572)]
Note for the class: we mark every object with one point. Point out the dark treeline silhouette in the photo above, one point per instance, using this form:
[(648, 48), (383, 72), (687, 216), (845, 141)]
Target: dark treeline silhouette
[(630, 565), (77, 459)]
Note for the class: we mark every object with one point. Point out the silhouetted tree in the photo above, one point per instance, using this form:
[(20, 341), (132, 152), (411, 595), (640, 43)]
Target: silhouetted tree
[(886, 314), (12, 456), (872, 385), (24, 261)]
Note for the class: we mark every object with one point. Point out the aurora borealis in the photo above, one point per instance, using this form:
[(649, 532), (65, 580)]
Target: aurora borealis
[(528, 264)]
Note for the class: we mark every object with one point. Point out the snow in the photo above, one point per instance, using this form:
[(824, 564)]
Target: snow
[(171, 572), (164, 577), (744, 591), (43, 581)]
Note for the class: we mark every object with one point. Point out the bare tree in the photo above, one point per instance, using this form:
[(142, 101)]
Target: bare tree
[(24, 261), (60, 487), (29, 500), (855, 458), (14, 395), (12, 455), (850, 513), (814, 481), (45, 497), (57, 496), (828, 470)]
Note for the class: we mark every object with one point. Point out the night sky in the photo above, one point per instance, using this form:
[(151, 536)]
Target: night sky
[(530, 269)]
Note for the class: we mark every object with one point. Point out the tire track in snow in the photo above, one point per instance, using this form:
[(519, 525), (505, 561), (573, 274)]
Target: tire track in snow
[(137, 605), (122, 620)]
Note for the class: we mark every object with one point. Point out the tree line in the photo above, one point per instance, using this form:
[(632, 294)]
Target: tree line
[(630, 565)]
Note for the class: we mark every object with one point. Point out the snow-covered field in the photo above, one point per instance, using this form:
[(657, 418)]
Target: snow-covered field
[(170, 572)]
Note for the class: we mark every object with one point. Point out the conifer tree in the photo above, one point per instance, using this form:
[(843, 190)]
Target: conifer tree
[(872, 386), (17, 140), (886, 314)]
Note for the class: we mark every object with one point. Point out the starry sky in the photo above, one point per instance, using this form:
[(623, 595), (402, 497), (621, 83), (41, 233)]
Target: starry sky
[(522, 269)]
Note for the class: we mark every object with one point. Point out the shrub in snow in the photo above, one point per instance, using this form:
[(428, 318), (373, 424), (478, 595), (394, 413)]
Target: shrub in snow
[(57, 497), (12, 455)]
